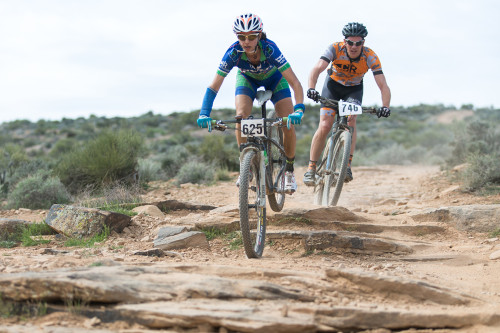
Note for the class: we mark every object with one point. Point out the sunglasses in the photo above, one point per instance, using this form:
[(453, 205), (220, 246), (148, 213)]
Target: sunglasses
[(251, 37), (351, 43)]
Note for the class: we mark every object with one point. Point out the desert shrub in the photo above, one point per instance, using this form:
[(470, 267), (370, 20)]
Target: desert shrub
[(27, 169), (482, 171), (110, 157), (174, 158), (302, 149), (62, 147), (222, 175), (149, 170), (39, 191), (195, 172), (479, 146), (116, 197), (214, 150)]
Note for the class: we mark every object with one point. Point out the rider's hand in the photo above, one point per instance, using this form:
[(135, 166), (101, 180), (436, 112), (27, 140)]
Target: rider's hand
[(383, 112), (295, 118), (313, 94), (205, 122)]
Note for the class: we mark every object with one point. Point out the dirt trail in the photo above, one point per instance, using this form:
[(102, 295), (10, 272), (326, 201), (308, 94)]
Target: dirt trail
[(383, 195)]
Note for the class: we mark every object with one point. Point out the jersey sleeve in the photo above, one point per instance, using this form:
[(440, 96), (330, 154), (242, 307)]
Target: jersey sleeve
[(229, 60), (373, 62), (330, 53)]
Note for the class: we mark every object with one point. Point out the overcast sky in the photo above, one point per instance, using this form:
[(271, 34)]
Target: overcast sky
[(69, 58)]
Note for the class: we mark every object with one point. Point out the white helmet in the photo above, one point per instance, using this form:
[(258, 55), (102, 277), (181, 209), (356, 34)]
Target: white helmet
[(247, 23)]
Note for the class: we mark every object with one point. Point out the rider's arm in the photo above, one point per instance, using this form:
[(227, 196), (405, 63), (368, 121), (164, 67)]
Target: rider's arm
[(217, 82), (208, 99), (316, 71), (292, 80), (384, 89)]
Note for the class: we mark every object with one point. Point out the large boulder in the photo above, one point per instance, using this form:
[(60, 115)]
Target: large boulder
[(82, 222)]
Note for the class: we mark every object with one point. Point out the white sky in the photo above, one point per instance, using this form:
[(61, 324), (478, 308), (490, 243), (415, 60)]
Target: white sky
[(73, 58)]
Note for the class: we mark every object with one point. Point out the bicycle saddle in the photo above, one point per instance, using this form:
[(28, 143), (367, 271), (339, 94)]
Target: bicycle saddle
[(263, 96)]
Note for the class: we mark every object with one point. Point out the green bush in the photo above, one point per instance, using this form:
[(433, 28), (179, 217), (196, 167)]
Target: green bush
[(478, 144), (174, 159), (214, 150), (110, 157), (112, 195), (149, 170), (62, 147), (195, 172), (39, 191), (482, 171)]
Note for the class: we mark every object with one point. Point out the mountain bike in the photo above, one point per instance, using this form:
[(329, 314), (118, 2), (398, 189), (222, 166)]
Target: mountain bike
[(331, 168), (262, 172)]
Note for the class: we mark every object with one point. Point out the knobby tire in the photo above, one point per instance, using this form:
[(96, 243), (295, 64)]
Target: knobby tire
[(334, 181), (319, 188), (255, 217), (276, 161)]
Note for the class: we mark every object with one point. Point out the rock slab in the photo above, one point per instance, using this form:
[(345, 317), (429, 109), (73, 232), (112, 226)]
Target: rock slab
[(81, 222)]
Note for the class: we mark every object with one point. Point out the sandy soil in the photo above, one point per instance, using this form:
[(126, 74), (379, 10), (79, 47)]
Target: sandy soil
[(383, 194)]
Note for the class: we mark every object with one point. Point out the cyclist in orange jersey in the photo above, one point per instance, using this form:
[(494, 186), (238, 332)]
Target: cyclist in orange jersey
[(350, 60)]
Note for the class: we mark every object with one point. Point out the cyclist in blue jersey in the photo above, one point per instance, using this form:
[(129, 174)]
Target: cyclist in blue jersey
[(260, 64)]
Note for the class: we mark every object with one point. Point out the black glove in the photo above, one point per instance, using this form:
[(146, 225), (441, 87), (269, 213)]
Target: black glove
[(313, 94), (383, 112)]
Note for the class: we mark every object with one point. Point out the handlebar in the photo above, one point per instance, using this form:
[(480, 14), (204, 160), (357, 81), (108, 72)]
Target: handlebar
[(221, 125), (335, 104)]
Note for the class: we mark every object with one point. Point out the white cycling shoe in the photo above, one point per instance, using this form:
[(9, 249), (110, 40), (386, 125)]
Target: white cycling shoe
[(290, 183)]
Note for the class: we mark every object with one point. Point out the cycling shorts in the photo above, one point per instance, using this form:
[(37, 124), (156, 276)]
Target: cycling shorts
[(246, 85), (334, 90)]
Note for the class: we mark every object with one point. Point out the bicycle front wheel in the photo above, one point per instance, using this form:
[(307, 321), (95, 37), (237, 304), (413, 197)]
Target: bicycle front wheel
[(321, 170), (276, 162), (252, 210), (334, 180)]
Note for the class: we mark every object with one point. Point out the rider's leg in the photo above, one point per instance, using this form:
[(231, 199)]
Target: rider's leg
[(326, 118), (283, 108), (243, 108)]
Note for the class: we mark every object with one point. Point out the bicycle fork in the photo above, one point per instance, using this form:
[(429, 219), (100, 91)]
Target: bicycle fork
[(261, 200)]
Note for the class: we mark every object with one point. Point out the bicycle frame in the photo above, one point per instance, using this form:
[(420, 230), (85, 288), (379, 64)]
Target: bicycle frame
[(260, 164), (331, 170)]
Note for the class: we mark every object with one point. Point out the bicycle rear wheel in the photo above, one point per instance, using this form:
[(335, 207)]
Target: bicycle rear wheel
[(334, 180), (276, 160), (252, 212)]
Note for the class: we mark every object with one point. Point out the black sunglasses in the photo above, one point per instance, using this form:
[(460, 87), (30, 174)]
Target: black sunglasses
[(351, 43)]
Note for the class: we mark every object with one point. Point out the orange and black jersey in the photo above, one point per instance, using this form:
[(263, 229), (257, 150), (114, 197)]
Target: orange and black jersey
[(347, 71)]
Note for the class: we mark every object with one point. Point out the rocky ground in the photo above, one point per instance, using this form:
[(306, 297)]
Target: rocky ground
[(385, 260)]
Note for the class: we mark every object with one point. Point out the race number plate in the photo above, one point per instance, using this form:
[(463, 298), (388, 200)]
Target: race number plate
[(349, 109), (252, 127)]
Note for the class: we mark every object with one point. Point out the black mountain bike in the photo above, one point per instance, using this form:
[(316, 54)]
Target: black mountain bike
[(332, 166), (262, 172)]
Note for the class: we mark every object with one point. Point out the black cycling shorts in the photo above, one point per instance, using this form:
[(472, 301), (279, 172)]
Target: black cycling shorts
[(334, 90)]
